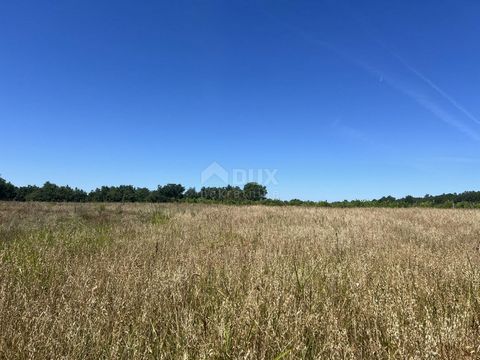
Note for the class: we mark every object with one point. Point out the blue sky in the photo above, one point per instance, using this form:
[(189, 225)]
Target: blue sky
[(344, 99)]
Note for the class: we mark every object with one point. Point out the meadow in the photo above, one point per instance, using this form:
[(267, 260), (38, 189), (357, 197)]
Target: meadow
[(193, 281)]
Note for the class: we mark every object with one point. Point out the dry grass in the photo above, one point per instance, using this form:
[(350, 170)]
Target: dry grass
[(193, 281)]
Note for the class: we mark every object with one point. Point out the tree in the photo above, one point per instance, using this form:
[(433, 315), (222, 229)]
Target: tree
[(142, 194), (253, 191), (232, 193), (171, 192), (7, 190), (99, 194), (23, 192), (48, 192), (127, 193), (387, 199), (191, 193)]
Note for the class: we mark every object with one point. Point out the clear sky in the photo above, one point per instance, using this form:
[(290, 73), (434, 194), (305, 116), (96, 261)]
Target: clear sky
[(343, 99)]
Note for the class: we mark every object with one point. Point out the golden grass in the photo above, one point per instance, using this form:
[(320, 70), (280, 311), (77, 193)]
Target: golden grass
[(184, 281)]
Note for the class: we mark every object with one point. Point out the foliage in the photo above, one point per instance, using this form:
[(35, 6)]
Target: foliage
[(7, 190), (250, 193), (255, 192)]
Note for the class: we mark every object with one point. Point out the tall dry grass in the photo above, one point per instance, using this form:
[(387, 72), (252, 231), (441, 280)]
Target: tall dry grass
[(194, 281)]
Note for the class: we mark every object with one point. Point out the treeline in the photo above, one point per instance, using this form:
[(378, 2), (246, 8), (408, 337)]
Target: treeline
[(128, 193), (250, 193), (468, 200)]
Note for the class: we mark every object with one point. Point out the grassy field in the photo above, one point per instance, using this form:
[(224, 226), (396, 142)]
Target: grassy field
[(195, 281)]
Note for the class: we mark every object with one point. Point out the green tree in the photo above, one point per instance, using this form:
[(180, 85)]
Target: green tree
[(191, 193), (7, 190), (255, 192), (23, 192), (142, 194), (171, 192)]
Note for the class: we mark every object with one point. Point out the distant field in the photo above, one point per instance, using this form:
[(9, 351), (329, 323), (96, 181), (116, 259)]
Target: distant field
[(197, 281)]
